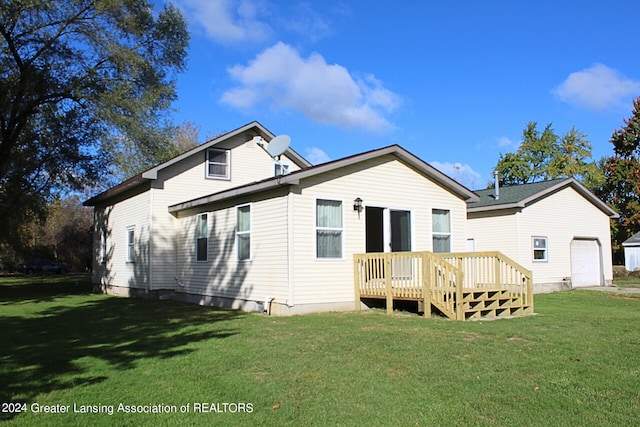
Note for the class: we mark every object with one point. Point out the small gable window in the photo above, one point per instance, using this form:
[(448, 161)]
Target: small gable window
[(218, 163)]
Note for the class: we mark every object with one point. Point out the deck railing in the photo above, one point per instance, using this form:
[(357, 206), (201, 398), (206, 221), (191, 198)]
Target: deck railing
[(492, 270), (419, 276), (437, 279)]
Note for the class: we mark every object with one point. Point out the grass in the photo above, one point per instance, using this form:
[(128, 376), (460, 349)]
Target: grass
[(575, 363)]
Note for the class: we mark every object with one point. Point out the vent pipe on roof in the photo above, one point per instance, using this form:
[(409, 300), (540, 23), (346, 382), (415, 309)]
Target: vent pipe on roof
[(496, 190)]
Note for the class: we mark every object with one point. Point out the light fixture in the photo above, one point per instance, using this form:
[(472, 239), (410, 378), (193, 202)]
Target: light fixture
[(357, 205)]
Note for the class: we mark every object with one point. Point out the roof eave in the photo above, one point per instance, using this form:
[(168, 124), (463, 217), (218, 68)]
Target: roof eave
[(497, 207), (233, 193), (118, 189)]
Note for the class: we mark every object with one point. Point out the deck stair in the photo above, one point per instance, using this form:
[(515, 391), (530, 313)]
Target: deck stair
[(477, 303)]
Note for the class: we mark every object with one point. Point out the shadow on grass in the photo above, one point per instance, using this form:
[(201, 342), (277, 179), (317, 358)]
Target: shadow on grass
[(41, 350), (42, 288)]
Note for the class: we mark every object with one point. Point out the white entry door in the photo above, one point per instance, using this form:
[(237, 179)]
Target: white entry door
[(585, 263)]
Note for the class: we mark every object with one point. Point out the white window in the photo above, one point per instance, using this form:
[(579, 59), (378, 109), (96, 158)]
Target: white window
[(131, 235), (202, 237), (441, 230), (218, 164), (328, 229), (103, 245), (539, 246), (243, 232), (281, 168)]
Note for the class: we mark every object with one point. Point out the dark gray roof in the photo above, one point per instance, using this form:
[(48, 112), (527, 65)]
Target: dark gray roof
[(519, 196), (633, 240), (513, 193)]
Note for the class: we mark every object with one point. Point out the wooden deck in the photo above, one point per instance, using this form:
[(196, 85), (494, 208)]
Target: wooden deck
[(461, 286)]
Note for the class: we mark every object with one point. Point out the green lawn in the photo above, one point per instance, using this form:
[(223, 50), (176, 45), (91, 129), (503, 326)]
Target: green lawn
[(575, 363)]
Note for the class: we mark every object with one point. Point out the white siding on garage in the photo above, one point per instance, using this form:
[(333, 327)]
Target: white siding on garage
[(563, 217), (493, 231)]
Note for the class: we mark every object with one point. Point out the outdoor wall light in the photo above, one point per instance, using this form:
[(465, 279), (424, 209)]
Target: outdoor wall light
[(357, 205)]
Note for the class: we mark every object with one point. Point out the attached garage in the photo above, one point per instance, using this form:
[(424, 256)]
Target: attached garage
[(586, 263), (557, 229)]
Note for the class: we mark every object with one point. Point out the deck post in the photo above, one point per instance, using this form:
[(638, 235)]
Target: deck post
[(497, 271), (356, 280), (459, 302), (529, 290), (387, 282), (426, 284)]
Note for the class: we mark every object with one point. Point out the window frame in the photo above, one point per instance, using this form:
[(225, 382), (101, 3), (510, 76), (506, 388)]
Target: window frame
[(131, 241), (227, 164), (200, 236), (545, 250), (243, 233), (103, 245), (341, 229), (448, 234)]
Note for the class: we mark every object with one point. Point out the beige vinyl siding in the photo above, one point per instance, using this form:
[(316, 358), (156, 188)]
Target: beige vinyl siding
[(186, 180), (222, 275), (381, 182), (561, 217), (493, 231), (116, 271)]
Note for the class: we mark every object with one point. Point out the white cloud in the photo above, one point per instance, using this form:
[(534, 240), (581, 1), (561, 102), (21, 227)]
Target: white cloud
[(281, 79), (316, 156), (228, 21), (306, 21), (505, 142), (597, 88), (462, 173)]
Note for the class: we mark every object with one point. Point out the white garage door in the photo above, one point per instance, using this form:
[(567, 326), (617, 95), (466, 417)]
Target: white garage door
[(585, 263)]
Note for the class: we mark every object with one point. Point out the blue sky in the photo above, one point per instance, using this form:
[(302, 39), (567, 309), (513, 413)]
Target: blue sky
[(453, 82)]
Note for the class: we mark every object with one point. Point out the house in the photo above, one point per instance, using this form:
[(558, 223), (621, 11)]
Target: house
[(558, 229), (632, 252), (217, 225)]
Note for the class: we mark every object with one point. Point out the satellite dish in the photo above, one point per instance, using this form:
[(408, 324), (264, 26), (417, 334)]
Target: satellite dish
[(278, 145)]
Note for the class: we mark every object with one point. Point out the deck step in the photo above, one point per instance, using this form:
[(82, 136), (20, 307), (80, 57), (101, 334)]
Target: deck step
[(490, 303)]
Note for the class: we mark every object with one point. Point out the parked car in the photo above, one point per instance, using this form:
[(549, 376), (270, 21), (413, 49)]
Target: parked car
[(43, 266)]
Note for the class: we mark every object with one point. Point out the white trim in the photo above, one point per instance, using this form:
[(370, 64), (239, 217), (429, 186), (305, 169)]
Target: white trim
[(237, 233), (546, 249), (386, 218), (290, 249), (103, 244), (449, 234), (130, 255), (315, 229), (198, 237)]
